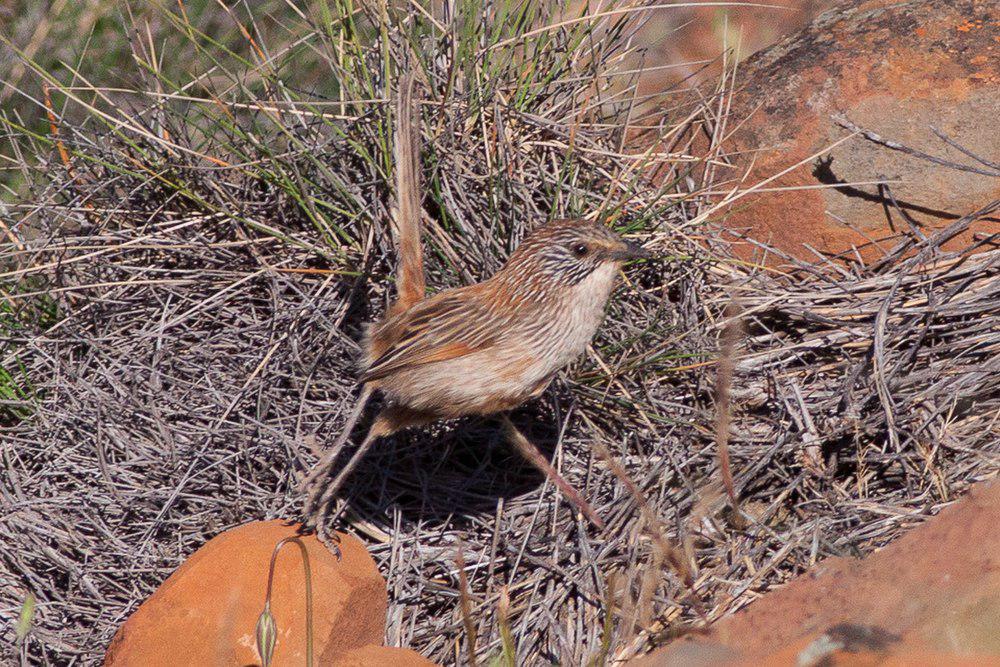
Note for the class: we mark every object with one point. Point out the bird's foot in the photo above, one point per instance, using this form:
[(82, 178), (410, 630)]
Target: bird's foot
[(318, 523), (331, 540), (316, 513)]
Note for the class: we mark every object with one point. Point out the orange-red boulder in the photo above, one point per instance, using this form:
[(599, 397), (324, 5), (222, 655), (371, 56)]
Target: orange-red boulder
[(894, 68), (206, 612), (372, 656), (930, 598)]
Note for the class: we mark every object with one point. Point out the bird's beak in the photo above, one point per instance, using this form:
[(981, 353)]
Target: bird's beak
[(628, 251)]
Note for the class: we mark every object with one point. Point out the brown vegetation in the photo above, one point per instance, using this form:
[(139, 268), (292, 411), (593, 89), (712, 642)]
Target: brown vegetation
[(206, 255)]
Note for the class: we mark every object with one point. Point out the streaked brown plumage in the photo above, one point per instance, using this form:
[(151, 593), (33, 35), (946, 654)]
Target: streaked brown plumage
[(488, 347)]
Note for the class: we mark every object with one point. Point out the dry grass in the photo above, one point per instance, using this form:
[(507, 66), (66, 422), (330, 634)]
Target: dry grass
[(210, 253)]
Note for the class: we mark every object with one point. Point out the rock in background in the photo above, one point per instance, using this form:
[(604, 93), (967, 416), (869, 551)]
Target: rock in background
[(898, 69), (930, 598)]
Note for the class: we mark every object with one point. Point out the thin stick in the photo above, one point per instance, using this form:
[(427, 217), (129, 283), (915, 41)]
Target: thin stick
[(657, 530), (529, 451), (723, 407), (845, 123), (466, 606)]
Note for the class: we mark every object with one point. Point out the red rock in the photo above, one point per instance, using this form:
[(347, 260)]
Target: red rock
[(370, 656), (931, 597), (206, 612), (816, 651), (895, 68)]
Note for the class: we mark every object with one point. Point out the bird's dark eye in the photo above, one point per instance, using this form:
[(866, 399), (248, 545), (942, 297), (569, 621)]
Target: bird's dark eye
[(579, 249)]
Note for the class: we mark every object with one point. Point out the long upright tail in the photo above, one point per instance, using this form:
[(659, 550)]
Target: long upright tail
[(410, 283)]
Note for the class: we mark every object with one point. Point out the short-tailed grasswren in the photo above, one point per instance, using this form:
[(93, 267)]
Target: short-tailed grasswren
[(485, 348)]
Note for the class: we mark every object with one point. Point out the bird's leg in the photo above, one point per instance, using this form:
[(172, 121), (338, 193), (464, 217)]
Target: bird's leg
[(529, 451), (323, 466), (321, 490)]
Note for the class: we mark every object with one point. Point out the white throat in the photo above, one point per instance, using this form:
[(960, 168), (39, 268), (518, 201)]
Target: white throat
[(584, 311)]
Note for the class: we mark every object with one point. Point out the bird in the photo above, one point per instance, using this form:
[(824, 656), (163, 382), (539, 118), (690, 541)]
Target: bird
[(485, 348)]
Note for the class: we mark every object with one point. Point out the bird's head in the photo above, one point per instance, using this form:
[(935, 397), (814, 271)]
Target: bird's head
[(568, 252)]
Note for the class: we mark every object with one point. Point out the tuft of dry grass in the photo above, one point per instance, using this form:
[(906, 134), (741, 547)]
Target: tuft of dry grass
[(205, 250)]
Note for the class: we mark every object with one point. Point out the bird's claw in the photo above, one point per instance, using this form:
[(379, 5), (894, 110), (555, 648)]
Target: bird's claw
[(316, 515), (332, 542)]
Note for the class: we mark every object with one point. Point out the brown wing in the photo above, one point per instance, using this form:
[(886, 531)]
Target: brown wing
[(446, 326)]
